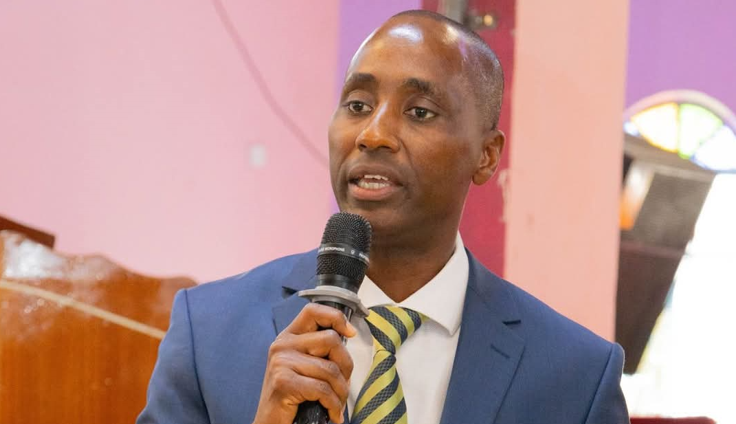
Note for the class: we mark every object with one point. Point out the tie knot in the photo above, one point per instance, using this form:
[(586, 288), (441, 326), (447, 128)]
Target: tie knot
[(392, 325)]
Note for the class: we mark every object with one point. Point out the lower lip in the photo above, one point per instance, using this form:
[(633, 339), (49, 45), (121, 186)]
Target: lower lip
[(360, 193)]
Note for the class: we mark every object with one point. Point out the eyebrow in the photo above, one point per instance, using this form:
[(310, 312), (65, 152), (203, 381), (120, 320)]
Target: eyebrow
[(424, 87), (421, 86), (358, 80)]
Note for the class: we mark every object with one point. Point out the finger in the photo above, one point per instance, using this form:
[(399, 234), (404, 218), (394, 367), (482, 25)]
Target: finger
[(301, 388), (315, 316), (322, 369), (340, 356), (321, 344)]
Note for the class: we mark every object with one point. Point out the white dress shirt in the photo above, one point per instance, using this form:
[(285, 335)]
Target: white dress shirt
[(424, 361)]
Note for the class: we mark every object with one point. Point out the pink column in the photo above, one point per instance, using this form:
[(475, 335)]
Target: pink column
[(565, 170)]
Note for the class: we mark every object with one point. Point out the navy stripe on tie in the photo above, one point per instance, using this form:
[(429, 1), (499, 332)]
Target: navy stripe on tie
[(382, 338), (415, 317), (395, 321)]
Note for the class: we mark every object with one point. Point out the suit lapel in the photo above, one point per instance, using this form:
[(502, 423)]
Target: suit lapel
[(301, 277), (488, 351)]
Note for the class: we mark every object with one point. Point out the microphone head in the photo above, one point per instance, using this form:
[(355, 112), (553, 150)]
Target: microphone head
[(346, 243)]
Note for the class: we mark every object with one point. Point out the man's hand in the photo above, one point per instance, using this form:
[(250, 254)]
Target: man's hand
[(306, 364)]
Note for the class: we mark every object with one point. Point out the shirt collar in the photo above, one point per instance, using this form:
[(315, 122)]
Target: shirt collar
[(441, 299)]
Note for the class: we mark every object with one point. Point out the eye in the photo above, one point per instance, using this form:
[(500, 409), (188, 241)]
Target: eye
[(357, 107), (420, 113)]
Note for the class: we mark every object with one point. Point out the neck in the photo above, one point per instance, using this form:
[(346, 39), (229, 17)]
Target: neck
[(400, 269)]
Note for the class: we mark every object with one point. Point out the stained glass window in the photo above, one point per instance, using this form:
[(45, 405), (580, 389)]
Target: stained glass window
[(692, 131)]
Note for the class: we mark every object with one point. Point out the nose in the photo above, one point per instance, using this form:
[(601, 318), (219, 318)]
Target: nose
[(379, 132)]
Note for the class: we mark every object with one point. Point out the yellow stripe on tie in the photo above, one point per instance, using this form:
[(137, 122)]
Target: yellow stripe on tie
[(378, 385), (405, 318), (385, 408)]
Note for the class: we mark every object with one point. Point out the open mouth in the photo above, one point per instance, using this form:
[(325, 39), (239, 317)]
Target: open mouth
[(372, 186), (372, 182)]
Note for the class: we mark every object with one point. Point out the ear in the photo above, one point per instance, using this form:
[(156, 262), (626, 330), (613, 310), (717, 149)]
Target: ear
[(490, 156)]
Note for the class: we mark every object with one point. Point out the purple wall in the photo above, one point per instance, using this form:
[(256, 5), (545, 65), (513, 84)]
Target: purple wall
[(682, 44)]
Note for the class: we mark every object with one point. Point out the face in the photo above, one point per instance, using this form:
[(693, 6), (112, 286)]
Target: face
[(406, 139)]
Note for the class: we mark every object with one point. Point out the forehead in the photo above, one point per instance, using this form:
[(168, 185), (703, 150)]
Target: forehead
[(424, 50)]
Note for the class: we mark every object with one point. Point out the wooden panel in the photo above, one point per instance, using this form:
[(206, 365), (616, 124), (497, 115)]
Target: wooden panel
[(37, 235), (78, 335)]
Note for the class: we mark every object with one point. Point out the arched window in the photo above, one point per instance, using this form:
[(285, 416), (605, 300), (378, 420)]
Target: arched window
[(691, 124)]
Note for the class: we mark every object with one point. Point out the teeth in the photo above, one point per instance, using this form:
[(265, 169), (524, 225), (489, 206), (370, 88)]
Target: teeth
[(375, 177), (373, 182), (362, 183)]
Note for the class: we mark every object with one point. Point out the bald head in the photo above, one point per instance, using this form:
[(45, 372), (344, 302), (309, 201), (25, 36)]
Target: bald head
[(481, 65)]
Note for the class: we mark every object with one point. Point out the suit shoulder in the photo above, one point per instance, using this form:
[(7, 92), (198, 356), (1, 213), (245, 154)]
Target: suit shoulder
[(262, 282), (545, 323)]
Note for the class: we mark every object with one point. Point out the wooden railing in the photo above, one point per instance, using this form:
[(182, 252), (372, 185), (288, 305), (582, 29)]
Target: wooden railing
[(78, 335)]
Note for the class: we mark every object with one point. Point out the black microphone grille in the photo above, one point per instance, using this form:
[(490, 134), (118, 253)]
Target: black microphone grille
[(350, 229), (345, 229)]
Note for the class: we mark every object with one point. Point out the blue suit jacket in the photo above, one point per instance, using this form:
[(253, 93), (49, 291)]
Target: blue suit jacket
[(517, 360)]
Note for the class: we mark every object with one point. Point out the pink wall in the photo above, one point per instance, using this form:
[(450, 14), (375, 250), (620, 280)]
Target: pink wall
[(126, 128), (565, 171)]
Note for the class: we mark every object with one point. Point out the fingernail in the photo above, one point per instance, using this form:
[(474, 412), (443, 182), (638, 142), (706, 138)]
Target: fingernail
[(351, 330)]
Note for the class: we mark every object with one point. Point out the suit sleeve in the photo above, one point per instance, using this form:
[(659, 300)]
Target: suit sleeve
[(609, 405), (174, 395)]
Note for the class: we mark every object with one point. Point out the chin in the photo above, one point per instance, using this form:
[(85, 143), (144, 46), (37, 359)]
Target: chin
[(372, 217), (386, 225)]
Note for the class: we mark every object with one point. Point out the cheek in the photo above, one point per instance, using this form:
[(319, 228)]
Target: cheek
[(449, 165), (340, 145), (447, 178), (340, 137)]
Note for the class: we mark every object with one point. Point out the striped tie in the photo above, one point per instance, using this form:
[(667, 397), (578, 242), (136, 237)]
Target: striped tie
[(381, 400)]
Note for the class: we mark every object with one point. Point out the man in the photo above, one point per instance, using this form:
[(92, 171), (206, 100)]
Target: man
[(416, 125)]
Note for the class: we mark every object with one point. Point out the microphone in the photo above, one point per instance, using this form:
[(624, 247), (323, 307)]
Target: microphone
[(342, 259)]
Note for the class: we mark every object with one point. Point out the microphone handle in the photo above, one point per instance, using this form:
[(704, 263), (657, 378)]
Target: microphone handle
[(312, 412)]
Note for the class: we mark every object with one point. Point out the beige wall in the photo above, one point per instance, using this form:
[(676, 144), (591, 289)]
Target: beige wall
[(565, 170)]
